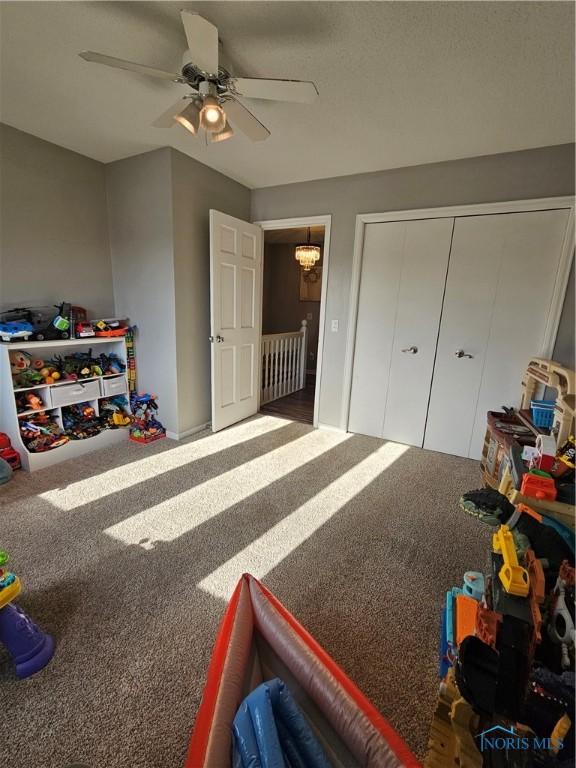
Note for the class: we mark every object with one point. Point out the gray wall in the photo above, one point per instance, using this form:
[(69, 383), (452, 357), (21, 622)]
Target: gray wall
[(564, 351), (54, 232), (534, 173), (195, 190), (141, 240), (282, 309), (158, 208)]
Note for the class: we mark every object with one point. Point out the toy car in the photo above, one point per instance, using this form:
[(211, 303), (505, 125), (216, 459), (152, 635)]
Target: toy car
[(83, 330), (43, 322), (16, 329)]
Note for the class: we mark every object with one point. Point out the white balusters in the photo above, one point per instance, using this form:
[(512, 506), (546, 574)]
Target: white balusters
[(283, 363)]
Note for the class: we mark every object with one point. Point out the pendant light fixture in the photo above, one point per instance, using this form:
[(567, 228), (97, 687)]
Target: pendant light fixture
[(307, 254)]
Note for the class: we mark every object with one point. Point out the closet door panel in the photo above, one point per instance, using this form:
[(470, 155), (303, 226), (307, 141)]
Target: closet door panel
[(379, 281), (425, 261), (498, 294), (523, 300), (402, 282), (465, 325)]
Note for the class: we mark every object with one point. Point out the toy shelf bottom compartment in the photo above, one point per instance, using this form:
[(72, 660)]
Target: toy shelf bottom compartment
[(73, 449)]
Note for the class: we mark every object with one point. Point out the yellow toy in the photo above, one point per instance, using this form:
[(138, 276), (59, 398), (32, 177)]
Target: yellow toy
[(514, 578)]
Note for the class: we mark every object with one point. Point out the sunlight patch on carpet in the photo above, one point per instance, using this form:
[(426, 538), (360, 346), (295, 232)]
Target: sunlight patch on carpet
[(266, 552), (128, 475), (186, 511)]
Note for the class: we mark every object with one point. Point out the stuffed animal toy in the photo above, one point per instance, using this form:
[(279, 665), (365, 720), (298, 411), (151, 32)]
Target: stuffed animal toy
[(19, 361)]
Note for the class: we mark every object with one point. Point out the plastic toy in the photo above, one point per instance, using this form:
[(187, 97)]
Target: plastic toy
[(514, 578), (82, 330), (115, 412), (42, 320), (451, 741), (22, 374), (466, 608), (145, 427), (131, 359), (487, 625), (257, 626), (80, 421), (473, 584), (110, 328), (5, 471), (30, 648), (561, 625), (14, 330), (8, 452), (544, 456), (40, 432), (270, 729), (538, 486)]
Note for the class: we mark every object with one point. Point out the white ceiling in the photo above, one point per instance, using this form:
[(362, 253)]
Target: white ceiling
[(401, 83)]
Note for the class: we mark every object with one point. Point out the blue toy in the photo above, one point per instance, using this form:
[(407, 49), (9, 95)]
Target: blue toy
[(16, 329), (473, 584), (270, 730)]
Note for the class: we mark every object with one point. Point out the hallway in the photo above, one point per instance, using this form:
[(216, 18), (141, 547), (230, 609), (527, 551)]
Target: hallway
[(299, 406)]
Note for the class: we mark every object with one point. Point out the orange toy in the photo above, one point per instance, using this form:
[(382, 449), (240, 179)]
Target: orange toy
[(538, 486), (466, 608)]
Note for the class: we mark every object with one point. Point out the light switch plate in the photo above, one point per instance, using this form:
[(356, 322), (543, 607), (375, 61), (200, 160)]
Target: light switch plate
[(334, 326)]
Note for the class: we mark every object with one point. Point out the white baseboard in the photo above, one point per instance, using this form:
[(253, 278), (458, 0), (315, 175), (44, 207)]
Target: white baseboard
[(330, 428), (188, 432)]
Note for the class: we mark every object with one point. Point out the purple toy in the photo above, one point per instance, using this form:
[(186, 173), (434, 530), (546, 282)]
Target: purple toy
[(30, 648)]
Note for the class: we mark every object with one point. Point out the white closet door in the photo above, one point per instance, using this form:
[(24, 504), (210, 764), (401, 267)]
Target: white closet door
[(498, 296), (402, 282)]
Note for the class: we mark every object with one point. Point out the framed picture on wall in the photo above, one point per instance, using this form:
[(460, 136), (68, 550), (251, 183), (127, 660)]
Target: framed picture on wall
[(311, 284)]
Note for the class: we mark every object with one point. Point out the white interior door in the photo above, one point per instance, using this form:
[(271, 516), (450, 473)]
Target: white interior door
[(402, 282), (499, 292), (235, 318)]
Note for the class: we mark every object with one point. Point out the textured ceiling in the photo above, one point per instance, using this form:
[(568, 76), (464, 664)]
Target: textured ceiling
[(401, 83)]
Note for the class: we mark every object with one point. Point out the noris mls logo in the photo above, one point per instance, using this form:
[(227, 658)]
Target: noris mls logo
[(501, 738)]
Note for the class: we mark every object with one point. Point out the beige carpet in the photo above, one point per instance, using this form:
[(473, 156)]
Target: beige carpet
[(127, 557)]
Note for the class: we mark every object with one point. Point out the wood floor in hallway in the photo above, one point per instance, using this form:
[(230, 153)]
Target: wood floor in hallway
[(299, 406)]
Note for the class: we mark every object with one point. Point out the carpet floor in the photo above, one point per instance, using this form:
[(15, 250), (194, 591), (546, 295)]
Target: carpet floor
[(127, 556)]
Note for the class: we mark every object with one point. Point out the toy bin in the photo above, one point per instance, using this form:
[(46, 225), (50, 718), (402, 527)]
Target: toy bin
[(116, 385), (542, 413)]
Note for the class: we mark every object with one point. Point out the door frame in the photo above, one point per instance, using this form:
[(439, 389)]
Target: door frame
[(297, 223), (458, 211)]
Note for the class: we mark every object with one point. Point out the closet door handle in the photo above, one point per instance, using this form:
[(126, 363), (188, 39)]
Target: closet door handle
[(460, 354), (411, 350), (218, 339)]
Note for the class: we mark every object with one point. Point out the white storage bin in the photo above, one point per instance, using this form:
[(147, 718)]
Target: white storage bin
[(114, 386), (75, 392)]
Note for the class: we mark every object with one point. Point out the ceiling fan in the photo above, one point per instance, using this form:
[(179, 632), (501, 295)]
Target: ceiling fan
[(212, 103)]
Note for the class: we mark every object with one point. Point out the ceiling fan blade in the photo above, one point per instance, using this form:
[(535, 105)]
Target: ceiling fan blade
[(112, 61), (242, 119), (202, 37), (168, 118), (226, 133), (303, 91)]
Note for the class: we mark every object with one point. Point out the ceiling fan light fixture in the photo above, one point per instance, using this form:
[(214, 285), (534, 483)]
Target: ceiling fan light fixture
[(226, 133), (307, 254), (189, 118), (212, 116)]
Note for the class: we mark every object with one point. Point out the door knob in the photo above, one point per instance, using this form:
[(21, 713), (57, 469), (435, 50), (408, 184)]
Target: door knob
[(218, 339), (411, 350), (460, 354)]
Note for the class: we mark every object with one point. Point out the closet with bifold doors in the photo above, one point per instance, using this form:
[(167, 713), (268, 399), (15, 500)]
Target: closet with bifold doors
[(450, 310)]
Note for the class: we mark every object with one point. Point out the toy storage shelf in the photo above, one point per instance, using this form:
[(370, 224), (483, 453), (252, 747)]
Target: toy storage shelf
[(59, 395)]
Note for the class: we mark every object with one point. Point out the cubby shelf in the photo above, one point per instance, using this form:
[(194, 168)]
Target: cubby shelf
[(9, 417)]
